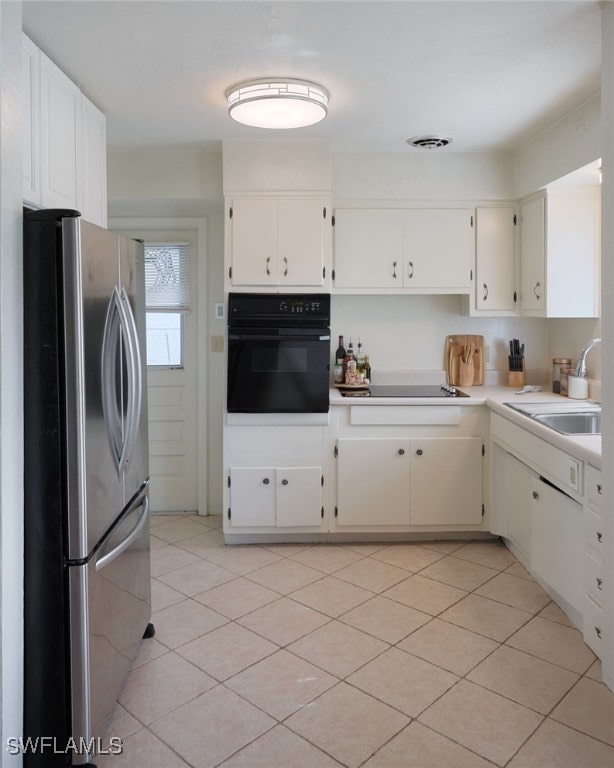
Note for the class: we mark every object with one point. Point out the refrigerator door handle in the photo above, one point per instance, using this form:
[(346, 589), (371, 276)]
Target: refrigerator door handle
[(110, 390), (103, 560), (135, 382)]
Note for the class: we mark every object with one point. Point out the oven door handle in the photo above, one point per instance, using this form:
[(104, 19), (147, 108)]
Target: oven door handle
[(277, 337)]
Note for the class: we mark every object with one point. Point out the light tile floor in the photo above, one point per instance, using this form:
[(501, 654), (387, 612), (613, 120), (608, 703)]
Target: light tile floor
[(377, 655)]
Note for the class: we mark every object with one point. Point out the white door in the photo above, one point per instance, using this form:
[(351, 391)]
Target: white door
[(299, 496), (172, 392), (368, 248), (300, 256), (252, 496), (438, 246), (495, 259), (533, 256), (373, 481), (446, 481)]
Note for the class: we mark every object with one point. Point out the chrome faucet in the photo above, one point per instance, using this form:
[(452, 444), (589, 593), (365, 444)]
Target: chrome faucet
[(581, 366)]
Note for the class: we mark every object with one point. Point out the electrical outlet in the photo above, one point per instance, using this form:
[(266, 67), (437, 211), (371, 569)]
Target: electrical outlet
[(219, 311), (217, 343)]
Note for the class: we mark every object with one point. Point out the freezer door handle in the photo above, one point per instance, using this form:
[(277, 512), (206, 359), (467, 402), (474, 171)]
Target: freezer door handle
[(120, 339), (104, 559), (135, 381), (110, 385)]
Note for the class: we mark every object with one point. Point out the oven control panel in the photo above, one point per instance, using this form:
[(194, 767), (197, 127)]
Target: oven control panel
[(299, 306), (271, 309)]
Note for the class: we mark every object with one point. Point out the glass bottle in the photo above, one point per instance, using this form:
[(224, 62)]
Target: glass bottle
[(338, 375), (348, 356)]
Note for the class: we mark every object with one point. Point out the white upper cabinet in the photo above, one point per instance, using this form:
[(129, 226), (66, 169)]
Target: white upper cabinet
[(495, 290), (417, 250), (560, 253), (278, 241), (93, 196), (438, 247), (368, 248), (60, 112), (32, 184), (64, 152)]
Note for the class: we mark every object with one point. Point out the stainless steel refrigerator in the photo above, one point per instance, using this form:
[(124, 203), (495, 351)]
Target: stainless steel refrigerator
[(86, 544)]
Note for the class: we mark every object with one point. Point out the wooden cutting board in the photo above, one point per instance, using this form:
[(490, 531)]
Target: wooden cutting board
[(453, 351)]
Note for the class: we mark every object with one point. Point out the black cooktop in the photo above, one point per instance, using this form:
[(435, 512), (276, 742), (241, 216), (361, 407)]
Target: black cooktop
[(407, 390)]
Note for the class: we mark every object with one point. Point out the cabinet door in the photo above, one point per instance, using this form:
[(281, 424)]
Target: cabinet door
[(254, 241), (300, 254), (60, 112), (513, 488), (368, 248), (557, 542), (446, 481), (373, 481), (438, 246), (533, 256), (93, 197), (252, 496), (494, 259), (31, 122), (299, 496)]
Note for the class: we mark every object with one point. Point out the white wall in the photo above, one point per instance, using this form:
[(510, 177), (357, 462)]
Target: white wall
[(11, 378), (569, 144), (183, 183)]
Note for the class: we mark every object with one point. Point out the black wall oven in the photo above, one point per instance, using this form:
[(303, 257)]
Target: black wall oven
[(278, 353)]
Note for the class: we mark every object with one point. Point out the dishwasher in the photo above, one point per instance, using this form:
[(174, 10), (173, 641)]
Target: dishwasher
[(557, 541)]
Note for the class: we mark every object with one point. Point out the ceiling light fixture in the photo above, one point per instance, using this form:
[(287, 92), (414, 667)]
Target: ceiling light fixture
[(277, 102)]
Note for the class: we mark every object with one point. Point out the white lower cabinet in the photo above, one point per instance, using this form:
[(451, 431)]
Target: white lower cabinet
[(275, 479), (403, 482), (594, 576), (373, 480), (275, 496), (513, 486)]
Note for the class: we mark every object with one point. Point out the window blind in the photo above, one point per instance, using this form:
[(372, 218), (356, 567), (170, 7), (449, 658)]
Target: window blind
[(167, 277)]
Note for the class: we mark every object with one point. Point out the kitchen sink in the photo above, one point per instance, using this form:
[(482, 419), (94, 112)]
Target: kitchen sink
[(571, 418), (572, 423)]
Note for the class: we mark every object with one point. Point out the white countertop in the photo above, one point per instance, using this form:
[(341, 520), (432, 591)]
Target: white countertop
[(584, 447)]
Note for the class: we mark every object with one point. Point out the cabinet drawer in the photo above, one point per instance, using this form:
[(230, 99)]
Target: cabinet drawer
[(593, 578), (593, 486), (593, 626), (593, 531), (395, 415)]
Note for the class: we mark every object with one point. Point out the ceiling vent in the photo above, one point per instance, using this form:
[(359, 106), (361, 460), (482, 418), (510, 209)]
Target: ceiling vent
[(429, 142)]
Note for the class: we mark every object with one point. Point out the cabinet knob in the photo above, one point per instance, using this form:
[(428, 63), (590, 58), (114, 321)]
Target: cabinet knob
[(599, 488), (401, 451), (537, 295), (284, 481), (598, 632), (268, 264), (485, 296), (266, 481), (599, 583), (535, 495), (599, 536), (411, 269), (286, 266), (394, 269), (419, 452)]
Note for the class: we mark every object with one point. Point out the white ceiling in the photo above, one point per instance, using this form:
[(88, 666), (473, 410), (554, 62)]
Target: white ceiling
[(489, 74)]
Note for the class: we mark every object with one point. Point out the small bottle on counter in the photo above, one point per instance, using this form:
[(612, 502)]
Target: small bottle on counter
[(557, 364), (349, 356), (339, 356), (367, 370)]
